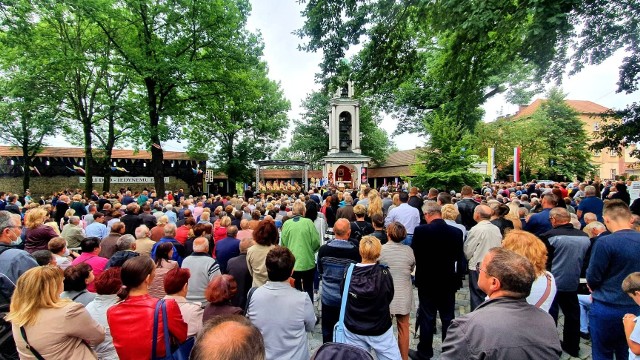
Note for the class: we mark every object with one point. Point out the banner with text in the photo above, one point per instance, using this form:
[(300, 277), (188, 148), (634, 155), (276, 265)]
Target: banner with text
[(124, 180)]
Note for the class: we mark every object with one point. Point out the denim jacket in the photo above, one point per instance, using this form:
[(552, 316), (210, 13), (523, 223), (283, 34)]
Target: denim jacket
[(332, 269)]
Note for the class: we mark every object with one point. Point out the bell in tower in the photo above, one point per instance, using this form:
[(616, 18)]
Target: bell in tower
[(345, 155), (345, 131)]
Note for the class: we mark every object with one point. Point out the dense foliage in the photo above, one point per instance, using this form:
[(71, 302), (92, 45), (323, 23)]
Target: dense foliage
[(553, 142), (140, 73)]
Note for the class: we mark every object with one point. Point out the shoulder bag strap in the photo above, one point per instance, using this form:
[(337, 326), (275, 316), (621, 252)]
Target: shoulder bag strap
[(154, 335), (547, 291), (33, 351), (75, 297), (165, 326), (249, 294), (345, 293)]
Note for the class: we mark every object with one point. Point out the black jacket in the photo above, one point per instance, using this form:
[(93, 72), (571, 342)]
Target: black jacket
[(370, 293), (437, 248), (465, 208)]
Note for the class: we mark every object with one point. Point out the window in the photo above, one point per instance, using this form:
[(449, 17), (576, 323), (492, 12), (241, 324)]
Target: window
[(612, 153), (613, 174), (597, 153), (596, 126)]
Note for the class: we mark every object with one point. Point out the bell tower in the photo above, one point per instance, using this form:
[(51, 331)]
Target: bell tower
[(344, 165), (344, 121)]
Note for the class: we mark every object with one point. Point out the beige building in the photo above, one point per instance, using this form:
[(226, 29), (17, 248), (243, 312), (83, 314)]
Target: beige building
[(609, 163)]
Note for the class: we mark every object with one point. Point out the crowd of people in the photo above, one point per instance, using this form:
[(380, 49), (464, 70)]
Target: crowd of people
[(130, 275)]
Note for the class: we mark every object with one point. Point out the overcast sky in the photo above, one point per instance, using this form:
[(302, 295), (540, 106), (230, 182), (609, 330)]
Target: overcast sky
[(295, 70)]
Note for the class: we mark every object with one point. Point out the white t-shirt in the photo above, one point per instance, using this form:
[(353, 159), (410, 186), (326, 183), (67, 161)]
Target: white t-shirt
[(635, 336), (538, 288)]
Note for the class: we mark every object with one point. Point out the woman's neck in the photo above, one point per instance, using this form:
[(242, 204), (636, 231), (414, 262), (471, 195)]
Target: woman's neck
[(140, 290)]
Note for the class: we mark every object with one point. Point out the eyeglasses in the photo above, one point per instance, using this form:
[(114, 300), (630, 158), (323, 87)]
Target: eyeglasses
[(478, 269)]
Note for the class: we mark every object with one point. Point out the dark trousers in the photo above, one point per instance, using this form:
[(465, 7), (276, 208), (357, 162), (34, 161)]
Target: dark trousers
[(304, 281), (476, 296), (430, 304), (607, 331), (330, 315), (567, 301)]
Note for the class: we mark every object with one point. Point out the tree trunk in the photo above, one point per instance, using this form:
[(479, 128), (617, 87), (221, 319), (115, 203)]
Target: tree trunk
[(111, 140), (157, 156), (88, 156), (232, 173), (26, 178)]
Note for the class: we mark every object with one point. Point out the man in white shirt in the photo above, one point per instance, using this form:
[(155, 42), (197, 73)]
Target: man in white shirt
[(405, 214)]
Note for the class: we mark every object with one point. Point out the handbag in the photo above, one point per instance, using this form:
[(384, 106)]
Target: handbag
[(338, 329), (182, 352)]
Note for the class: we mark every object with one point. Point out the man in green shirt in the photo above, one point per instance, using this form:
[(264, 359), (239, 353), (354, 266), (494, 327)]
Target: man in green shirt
[(299, 235)]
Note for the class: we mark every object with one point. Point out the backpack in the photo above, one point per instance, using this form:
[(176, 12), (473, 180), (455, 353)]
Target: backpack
[(338, 351)]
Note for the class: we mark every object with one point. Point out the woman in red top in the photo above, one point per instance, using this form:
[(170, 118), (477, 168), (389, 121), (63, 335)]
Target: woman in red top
[(131, 321), (221, 232)]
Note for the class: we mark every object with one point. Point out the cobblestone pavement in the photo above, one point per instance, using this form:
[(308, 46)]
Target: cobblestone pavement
[(462, 307)]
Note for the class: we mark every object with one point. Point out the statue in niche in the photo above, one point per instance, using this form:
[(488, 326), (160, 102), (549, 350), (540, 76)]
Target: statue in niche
[(275, 186), (261, 186), (269, 186), (330, 176)]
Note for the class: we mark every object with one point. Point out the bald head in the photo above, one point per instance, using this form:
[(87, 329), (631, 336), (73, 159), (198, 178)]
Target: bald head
[(590, 217), (342, 229), (482, 212), (229, 337), (200, 244)]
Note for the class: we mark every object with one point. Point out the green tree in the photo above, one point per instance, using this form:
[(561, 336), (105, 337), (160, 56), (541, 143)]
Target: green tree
[(448, 57), (246, 120), (566, 138), (505, 134), (310, 140), (446, 164), (28, 113), (170, 49)]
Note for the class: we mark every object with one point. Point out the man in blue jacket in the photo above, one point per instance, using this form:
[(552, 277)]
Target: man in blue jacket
[(540, 223), (613, 258)]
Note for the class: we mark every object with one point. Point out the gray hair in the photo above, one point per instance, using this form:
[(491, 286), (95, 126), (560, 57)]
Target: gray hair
[(6, 220), (589, 190), (170, 229), (141, 231), (75, 220), (125, 242), (431, 207)]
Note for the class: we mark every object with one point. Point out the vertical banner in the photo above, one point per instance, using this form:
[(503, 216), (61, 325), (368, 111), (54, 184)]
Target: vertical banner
[(490, 161), (516, 164)]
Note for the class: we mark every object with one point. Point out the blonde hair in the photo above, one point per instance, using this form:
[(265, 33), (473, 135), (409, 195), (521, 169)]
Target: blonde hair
[(38, 288), (513, 216), (528, 245), (225, 221), (77, 197), (375, 203), (163, 220), (70, 212), (396, 199), (370, 248), (35, 217), (449, 212), (359, 210)]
